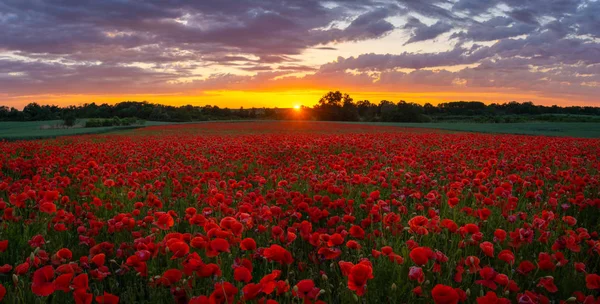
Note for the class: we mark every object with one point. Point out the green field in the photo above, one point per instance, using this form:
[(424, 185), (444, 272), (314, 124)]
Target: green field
[(36, 130), (573, 129), (16, 130)]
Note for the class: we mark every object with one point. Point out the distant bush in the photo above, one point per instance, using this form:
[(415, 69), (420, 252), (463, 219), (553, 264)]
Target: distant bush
[(69, 120), (115, 121)]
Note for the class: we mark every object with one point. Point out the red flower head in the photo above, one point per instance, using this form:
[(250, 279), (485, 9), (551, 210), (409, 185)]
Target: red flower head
[(248, 244), (491, 298), (107, 298), (217, 246), (487, 248), (42, 281), (223, 293), (443, 294), (421, 255), (278, 254), (306, 289), (592, 281), (358, 276)]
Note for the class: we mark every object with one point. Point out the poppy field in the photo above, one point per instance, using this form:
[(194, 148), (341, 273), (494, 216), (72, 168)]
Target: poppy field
[(300, 212)]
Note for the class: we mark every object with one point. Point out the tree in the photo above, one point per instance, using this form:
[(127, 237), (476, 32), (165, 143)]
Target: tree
[(69, 119)]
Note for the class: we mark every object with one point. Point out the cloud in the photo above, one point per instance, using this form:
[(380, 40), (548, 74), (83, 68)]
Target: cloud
[(421, 32), (549, 47)]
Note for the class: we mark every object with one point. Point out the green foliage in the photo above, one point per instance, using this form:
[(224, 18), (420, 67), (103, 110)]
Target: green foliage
[(333, 106)]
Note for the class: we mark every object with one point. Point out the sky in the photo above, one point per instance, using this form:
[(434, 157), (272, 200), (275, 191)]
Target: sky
[(284, 53)]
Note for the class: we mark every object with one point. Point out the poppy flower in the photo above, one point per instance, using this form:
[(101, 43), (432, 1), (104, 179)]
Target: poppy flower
[(2, 292), (217, 246), (81, 296), (42, 281), (99, 259), (242, 274), (179, 249), (592, 281), (416, 274), (165, 221), (443, 294), (223, 293), (487, 248), (248, 244), (548, 284), (63, 281), (3, 245), (491, 298), (278, 254), (305, 289), (506, 256), (421, 255), (357, 232), (358, 276), (107, 298), (172, 276)]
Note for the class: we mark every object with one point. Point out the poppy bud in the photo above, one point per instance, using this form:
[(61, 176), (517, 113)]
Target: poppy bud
[(322, 291), (427, 282), (15, 279), (324, 277), (355, 297), (32, 257), (572, 299), (394, 287), (468, 292)]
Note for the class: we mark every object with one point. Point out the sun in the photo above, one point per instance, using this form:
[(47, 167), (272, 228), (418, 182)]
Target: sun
[(296, 107)]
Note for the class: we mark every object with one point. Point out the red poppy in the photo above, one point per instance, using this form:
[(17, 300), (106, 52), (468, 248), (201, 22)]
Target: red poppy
[(421, 255), (416, 274), (2, 292), (548, 284), (172, 276), (42, 281), (165, 221), (63, 282), (99, 259), (3, 245), (179, 249), (278, 254), (487, 248), (592, 281), (223, 293), (81, 296), (217, 246), (491, 298), (242, 274), (108, 298), (248, 244), (357, 232), (358, 276), (306, 289), (443, 294)]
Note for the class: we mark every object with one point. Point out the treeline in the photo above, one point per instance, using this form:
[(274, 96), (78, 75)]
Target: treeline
[(334, 106), (341, 107)]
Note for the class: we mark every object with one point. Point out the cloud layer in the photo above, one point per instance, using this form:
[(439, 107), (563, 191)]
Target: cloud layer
[(545, 48)]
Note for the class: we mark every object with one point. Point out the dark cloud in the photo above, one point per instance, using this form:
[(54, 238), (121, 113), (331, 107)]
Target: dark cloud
[(421, 31), (126, 46)]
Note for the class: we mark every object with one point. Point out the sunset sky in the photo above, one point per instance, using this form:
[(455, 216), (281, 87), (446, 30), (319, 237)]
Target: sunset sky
[(282, 53)]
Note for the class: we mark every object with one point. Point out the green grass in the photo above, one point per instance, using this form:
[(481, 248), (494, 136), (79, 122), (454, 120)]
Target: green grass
[(26, 130), (33, 129), (572, 129)]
